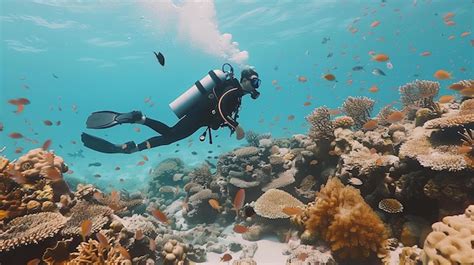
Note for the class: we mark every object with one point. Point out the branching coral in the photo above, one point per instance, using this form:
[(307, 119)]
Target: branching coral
[(341, 216), (359, 109), (321, 125), (384, 113), (420, 94), (30, 229), (345, 122), (451, 240), (92, 252), (253, 138)]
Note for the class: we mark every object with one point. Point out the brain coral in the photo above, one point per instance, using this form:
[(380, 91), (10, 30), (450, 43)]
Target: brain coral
[(451, 240), (342, 218), (30, 229), (272, 202)]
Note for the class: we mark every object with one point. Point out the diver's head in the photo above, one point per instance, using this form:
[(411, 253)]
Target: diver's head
[(250, 82)]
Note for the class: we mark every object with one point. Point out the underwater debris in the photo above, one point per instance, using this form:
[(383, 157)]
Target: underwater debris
[(391, 206)]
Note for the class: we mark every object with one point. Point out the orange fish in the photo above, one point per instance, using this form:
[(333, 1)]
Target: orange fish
[(18, 150), (380, 57), (123, 252), (86, 228), (426, 53), (141, 163), (102, 240), (467, 92), (19, 108), (307, 103), (375, 24), (442, 75), (214, 204), (466, 33), (395, 116), (34, 262), (15, 135), (239, 200), (292, 210), (240, 229), (329, 77), (19, 101), (464, 149), (48, 122), (115, 196), (145, 157), (46, 144), (374, 89), (139, 234), (137, 129), (291, 117), (274, 82), (448, 16), (226, 257), (450, 23), (446, 99), (302, 79), (378, 162), (370, 125), (160, 216)]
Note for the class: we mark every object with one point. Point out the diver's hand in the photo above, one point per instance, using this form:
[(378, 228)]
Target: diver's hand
[(240, 134), (129, 147)]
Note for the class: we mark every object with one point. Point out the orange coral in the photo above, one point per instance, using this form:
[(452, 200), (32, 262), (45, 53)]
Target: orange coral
[(342, 218)]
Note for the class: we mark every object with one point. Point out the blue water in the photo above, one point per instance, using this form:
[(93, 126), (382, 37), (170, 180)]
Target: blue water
[(101, 54)]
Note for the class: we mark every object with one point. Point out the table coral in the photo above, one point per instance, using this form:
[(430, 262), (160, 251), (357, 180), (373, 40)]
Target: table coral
[(272, 202), (98, 214), (342, 218), (30, 229), (451, 240)]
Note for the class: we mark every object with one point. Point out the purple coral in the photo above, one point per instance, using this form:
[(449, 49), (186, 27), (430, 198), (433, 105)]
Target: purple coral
[(359, 109), (321, 125)]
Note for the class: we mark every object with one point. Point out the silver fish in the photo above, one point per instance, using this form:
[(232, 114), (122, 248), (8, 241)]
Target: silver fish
[(357, 68), (377, 71)]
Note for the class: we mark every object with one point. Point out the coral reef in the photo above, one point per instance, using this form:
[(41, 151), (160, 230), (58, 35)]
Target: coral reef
[(420, 94), (97, 214), (30, 229), (451, 240), (92, 252), (321, 125), (271, 204), (359, 109), (345, 221)]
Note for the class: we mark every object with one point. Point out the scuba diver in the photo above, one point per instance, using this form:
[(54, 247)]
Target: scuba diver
[(212, 102)]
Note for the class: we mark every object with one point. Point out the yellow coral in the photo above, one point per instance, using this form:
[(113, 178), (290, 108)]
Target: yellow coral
[(342, 218)]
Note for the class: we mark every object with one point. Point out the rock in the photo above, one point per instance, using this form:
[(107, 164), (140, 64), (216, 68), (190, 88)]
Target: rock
[(168, 247), (248, 251), (414, 231), (276, 160), (217, 248), (170, 257), (247, 261), (33, 206), (265, 143), (243, 184), (235, 247)]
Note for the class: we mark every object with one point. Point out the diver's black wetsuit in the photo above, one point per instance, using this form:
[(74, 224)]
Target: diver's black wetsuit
[(226, 101)]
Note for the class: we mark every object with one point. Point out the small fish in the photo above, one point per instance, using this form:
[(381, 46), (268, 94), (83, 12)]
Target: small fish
[(380, 57), (194, 153), (55, 76), (240, 229), (239, 200), (48, 122), (425, 53), (302, 79), (19, 108), (18, 150), (226, 257), (215, 204), (302, 256), (395, 116), (377, 71), (46, 144), (137, 129), (464, 149), (446, 99), (145, 157), (160, 216), (161, 59), (307, 103), (466, 33), (1, 127), (19, 101), (117, 168), (115, 196), (442, 74), (95, 164), (97, 176), (355, 181), (291, 117), (370, 125), (34, 262), (139, 234), (389, 65), (102, 240), (86, 228), (329, 77), (375, 24), (374, 89), (141, 163), (58, 123), (51, 173), (292, 211), (325, 40), (329, 55), (15, 135), (123, 252), (391, 206), (357, 68)]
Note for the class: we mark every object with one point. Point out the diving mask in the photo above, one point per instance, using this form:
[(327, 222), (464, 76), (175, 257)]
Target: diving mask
[(255, 82)]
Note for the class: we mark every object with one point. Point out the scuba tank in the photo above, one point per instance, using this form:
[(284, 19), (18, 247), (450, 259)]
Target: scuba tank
[(200, 90)]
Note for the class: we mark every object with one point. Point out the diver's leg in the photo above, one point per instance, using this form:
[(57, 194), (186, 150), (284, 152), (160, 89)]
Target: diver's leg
[(182, 129), (157, 126), (103, 146)]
